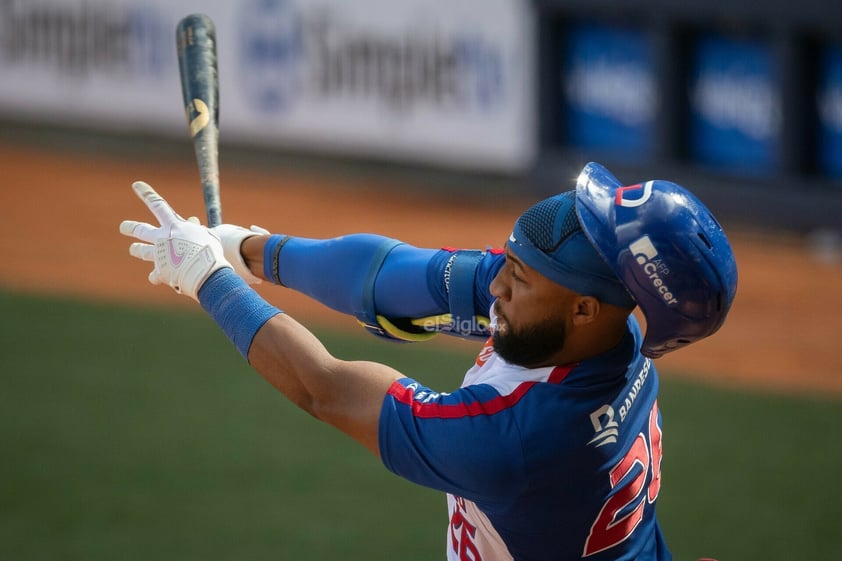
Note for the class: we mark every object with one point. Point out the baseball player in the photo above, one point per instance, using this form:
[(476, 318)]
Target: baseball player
[(552, 446)]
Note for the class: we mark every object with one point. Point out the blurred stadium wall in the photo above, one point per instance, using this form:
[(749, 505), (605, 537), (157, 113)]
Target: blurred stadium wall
[(739, 101)]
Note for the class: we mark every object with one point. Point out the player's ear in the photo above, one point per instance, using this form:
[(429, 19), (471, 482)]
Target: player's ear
[(585, 310)]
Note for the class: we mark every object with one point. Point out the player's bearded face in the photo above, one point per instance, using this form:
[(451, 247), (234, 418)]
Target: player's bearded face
[(530, 345)]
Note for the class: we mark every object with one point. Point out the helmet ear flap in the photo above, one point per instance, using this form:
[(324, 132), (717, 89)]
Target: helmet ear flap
[(667, 248)]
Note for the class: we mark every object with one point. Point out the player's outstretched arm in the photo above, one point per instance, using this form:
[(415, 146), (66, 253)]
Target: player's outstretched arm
[(345, 394), (189, 258), (394, 289), (367, 276)]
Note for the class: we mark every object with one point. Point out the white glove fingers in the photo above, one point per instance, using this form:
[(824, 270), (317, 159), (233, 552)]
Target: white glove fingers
[(142, 251), (259, 230), (156, 203), (142, 231), (127, 227)]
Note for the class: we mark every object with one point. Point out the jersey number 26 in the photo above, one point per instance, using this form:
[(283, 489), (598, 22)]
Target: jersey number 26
[(608, 529)]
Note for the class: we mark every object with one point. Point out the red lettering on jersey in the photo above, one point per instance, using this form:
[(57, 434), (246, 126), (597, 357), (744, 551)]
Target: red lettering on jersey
[(486, 352), (657, 452), (463, 543), (610, 528)]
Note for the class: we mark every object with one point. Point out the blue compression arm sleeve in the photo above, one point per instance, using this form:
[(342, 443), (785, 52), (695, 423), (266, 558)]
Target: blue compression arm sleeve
[(335, 271), (409, 284)]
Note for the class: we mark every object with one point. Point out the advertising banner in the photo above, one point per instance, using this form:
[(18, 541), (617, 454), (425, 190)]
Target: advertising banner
[(440, 82), (735, 105), (609, 88), (829, 111)]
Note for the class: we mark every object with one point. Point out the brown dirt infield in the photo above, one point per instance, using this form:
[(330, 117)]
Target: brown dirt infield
[(59, 213)]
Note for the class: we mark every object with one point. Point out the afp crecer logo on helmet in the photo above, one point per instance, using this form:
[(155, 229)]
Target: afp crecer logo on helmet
[(653, 267)]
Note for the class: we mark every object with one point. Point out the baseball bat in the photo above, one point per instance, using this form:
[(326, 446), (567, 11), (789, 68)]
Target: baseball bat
[(196, 46)]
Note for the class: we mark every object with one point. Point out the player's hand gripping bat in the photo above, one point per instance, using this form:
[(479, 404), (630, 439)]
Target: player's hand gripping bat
[(196, 44)]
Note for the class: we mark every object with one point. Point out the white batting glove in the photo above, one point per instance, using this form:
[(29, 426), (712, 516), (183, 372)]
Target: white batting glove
[(184, 252), (232, 238)]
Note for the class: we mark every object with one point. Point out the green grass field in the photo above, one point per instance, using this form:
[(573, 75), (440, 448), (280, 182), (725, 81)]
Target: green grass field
[(140, 434)]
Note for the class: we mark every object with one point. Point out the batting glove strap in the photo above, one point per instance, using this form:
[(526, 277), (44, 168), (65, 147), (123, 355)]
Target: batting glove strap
[(235, 307)]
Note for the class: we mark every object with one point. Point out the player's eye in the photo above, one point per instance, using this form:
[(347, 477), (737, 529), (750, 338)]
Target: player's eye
[(512, 269)]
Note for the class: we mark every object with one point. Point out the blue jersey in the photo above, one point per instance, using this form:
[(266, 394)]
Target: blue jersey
[(553, 463), (548, 463)]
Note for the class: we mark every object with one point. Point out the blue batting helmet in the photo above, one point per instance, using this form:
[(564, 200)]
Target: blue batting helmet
[(668, 250)]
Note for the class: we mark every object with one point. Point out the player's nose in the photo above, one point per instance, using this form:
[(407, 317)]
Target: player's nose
[(498, 287)]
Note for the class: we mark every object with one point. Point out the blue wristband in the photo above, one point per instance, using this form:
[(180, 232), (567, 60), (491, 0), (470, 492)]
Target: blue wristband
[(235, 307)]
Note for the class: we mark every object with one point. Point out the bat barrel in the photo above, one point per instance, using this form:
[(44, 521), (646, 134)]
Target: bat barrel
[(196, 44)]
